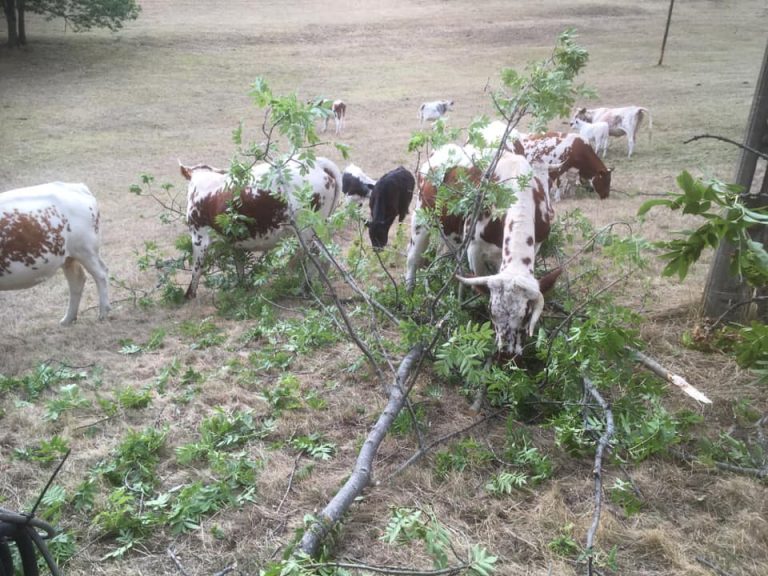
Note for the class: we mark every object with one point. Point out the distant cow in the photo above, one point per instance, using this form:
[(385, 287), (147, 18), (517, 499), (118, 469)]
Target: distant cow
[(450, 165), (47, 227), (620, 121), (595, 133), (356, 185), (564, 152), (269, 209), (390, 198), (338, 111), (434, 110)]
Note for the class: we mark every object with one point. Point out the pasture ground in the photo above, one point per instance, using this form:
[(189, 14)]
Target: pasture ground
[(104, 108)]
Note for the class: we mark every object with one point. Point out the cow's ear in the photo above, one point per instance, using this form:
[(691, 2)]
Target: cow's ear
[(185, 171), (547, 281)]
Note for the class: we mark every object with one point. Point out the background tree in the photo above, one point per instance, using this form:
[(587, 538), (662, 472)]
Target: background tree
[(725, 289), (80, 14)]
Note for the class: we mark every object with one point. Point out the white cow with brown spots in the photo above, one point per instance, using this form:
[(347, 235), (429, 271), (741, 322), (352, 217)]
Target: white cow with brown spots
[(517, 297), (269, 207), (621, 121), (47, 227)]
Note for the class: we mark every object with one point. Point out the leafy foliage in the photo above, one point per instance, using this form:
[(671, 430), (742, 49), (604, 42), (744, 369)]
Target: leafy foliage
[(726, 217), (87, 14)]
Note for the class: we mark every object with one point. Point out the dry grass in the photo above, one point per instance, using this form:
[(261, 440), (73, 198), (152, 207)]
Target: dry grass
[(104, 109)]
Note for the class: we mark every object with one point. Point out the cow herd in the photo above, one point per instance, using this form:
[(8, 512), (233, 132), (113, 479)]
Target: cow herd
[(57, 225)]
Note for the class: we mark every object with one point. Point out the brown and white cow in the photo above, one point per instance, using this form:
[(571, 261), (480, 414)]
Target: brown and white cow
[(269, 208), (621, 121), (47, 227), (563, 152), (449, 165)]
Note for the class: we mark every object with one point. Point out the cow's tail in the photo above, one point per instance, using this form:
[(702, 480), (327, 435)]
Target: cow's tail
[(650, 124), (330, 168)]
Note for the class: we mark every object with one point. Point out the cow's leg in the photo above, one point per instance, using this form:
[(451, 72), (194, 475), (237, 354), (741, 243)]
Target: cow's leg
[(200, 241), (98, 271), (76, 280), (325, 124), (416, 247)]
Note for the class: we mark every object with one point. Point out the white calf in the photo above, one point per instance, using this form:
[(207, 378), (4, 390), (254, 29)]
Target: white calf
[(434, 110), (47, 227), (595, 133), (620, 121)]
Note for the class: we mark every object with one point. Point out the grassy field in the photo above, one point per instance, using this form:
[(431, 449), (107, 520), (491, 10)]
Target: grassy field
[(103, 109)]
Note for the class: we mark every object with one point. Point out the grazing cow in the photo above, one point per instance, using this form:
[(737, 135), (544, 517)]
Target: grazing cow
[(434, 110), (390, 198), (449, 165), (517, 297), (564, 152), (47, 227), (356, 186), (596, 134), (269, 208), (620, 121)]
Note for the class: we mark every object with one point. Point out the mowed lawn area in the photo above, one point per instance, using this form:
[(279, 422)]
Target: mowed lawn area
[(104, 108)]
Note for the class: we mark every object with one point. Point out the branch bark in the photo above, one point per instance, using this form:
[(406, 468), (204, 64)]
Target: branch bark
[(597, 470), (670, 377), (722, 138), (363, 471)]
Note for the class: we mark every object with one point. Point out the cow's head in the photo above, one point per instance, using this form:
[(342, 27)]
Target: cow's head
[(378, 231), (581, 114), (516, 304), (602, 183), (517, 301)]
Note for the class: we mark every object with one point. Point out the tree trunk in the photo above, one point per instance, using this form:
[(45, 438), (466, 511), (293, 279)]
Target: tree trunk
[(723, 290), (22, 39), (9, 6), (666, 31)]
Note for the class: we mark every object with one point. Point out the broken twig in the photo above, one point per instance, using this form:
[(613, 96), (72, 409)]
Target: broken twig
[(670, 377)]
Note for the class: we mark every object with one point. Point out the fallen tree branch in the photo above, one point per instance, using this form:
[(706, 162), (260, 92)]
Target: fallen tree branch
[(390, 569), (424, 451), (363, 470), (347, 322), (597, 470), (227, 570), (176, 561), (759, 472), (742, 146), (733, 307), (670, 377), (716, 569)]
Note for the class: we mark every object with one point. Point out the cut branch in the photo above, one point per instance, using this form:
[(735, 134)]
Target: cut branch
[(363, 470), (597, 471), (670, 377)]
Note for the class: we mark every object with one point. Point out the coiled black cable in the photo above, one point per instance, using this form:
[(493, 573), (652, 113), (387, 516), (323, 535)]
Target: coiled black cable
[(24, 531)]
